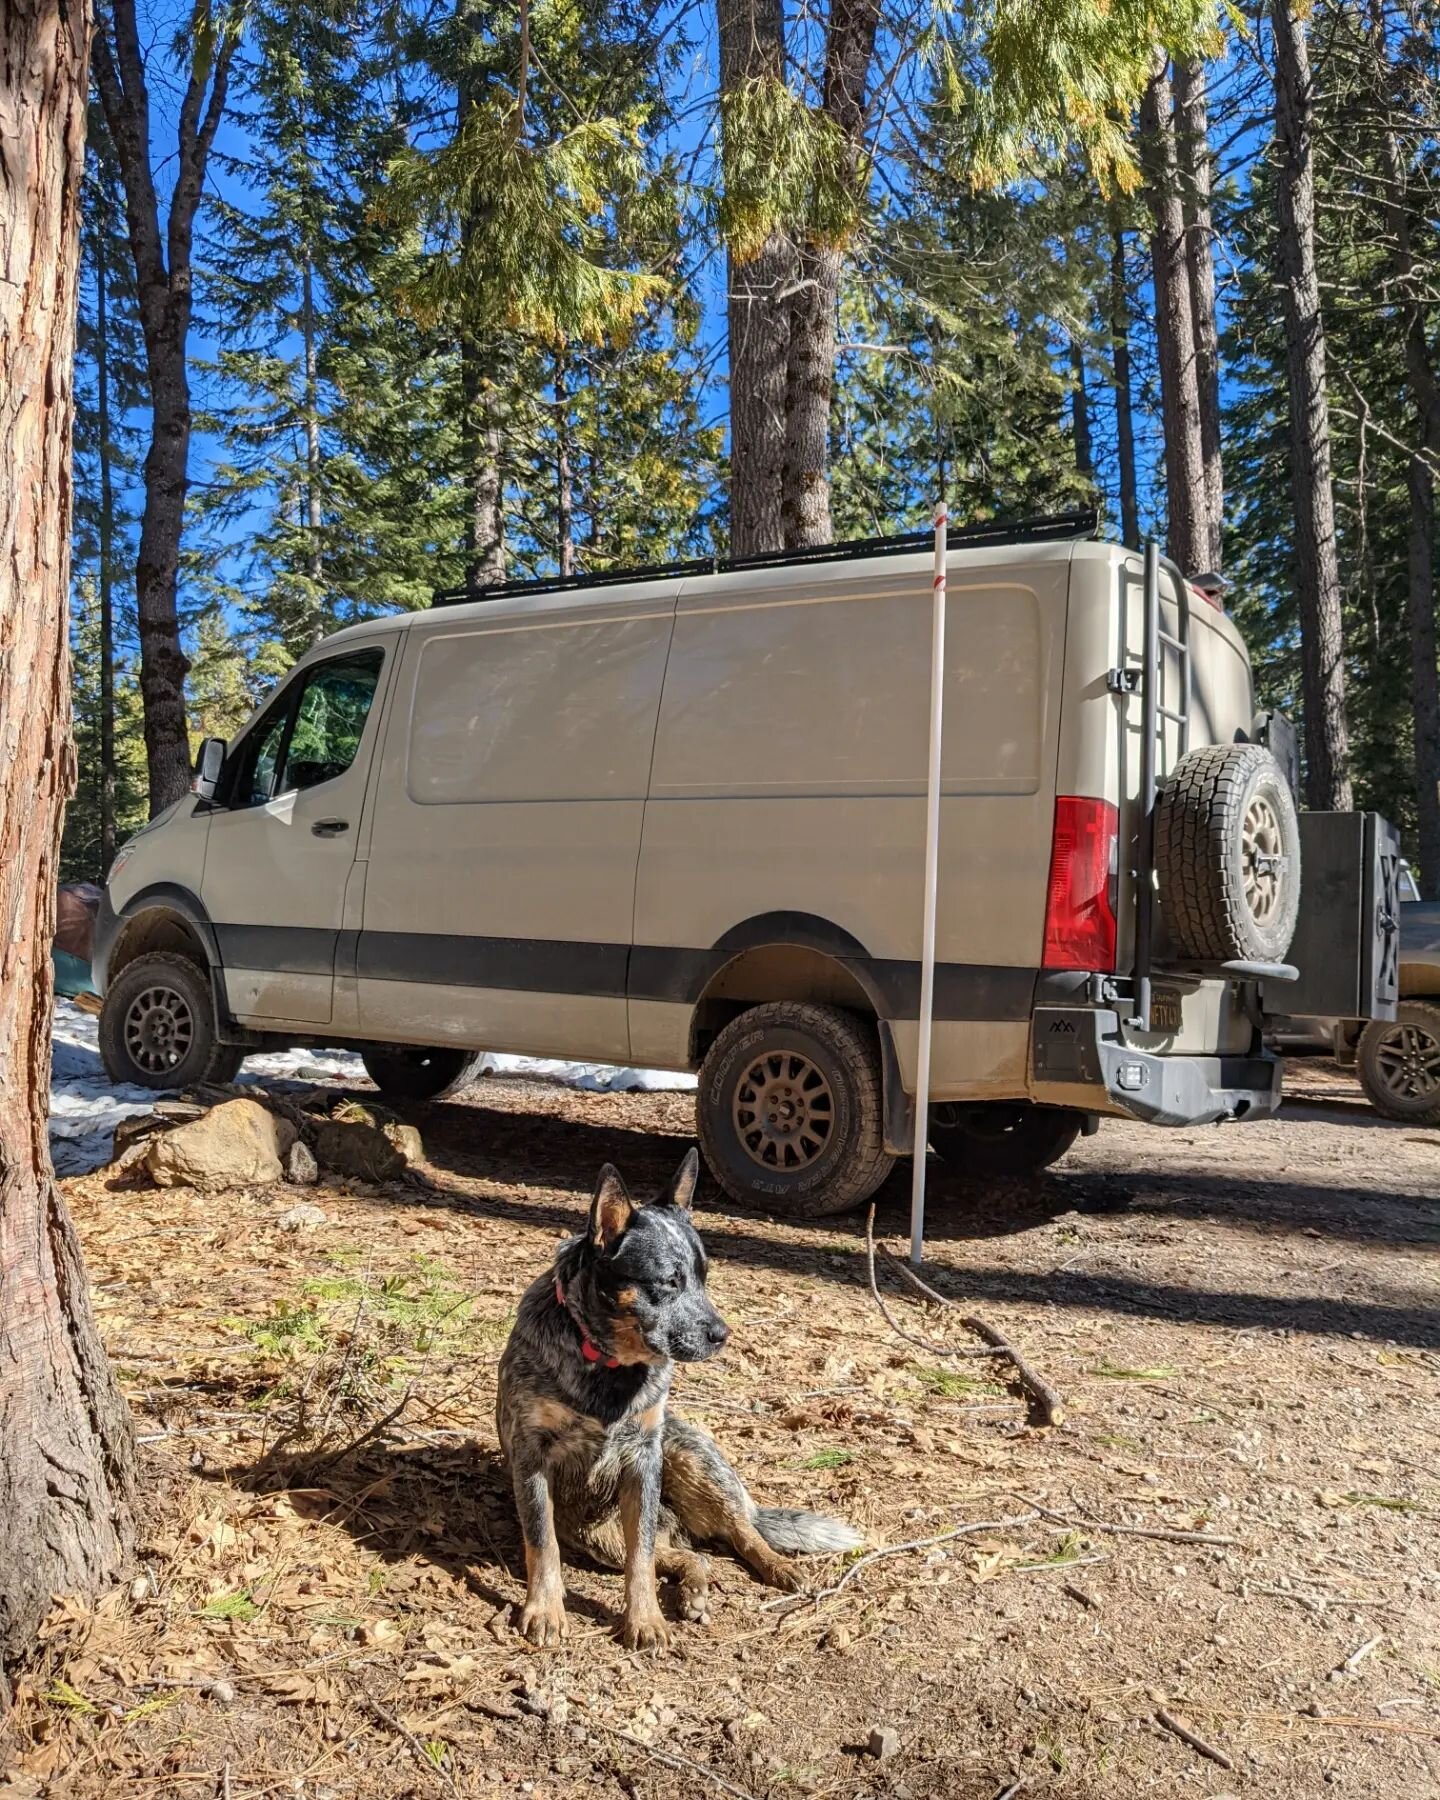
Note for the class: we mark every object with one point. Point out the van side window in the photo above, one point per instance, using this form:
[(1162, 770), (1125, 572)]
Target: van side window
[(330, 721), (314, 732)]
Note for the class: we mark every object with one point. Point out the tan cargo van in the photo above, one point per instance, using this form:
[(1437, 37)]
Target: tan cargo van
[(678, 821)]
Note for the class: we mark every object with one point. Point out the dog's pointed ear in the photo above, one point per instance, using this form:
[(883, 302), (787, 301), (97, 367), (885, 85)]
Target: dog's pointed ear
[(611, 1210), (681, 1190)]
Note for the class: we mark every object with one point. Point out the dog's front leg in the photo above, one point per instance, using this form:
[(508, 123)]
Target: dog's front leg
[(543, 1621), (642, 1627)]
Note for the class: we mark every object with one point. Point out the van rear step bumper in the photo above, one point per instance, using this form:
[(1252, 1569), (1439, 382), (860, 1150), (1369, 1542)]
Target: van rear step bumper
[(1082, 1046)]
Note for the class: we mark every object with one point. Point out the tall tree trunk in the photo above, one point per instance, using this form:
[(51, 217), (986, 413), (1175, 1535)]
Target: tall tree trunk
[(564, 479), (107, 551), (1174, 331), (66, 1453), (1192, 138), (1080, 411), (752, 48), (480, 437), (315, 559), (1317, 565), (162, 257), (1124, 389), (1424, 396), (815, 302)]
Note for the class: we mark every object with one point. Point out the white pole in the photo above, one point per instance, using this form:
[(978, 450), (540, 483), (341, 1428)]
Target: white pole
[(932, 877)]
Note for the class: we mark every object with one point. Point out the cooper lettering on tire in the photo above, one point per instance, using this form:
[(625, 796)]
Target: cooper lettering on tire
[(1227, 855), (790, 1109)]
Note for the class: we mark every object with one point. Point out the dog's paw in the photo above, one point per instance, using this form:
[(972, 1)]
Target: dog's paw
[(644, 1631), (787, 1577), (693, 1602), (543, 1621)]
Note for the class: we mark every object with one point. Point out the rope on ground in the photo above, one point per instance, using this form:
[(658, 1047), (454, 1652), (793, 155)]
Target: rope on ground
[(1046, 1406)]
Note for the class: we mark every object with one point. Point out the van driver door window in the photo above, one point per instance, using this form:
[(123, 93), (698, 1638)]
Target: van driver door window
[(282, 847)]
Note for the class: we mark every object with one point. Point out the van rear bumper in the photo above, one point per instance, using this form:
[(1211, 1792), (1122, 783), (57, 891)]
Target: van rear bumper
[(1076, 1047)]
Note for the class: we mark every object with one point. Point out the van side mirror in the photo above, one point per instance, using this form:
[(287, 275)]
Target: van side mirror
[(209, 766)]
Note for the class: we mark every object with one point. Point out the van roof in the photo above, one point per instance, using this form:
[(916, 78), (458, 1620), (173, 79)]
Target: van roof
[(768, 575)]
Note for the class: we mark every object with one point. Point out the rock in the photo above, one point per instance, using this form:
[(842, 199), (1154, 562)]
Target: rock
[(303, 1217), (311, 1072), (238, 1144), (884, 1743), (361, 1146), (221, 1692), (301, 1168)]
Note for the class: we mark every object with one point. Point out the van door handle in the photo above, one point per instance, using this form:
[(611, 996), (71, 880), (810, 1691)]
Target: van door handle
[(330, 827)]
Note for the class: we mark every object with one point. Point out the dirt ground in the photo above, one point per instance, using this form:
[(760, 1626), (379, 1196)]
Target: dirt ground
[(1243, 1323)]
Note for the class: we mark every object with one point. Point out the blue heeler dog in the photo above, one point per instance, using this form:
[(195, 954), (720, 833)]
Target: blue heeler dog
[(598, 1465)]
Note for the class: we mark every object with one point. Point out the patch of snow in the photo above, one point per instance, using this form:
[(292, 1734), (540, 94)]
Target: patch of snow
[(85, 1106)]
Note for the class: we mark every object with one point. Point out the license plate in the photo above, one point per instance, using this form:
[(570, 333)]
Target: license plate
[(1165, 1010)]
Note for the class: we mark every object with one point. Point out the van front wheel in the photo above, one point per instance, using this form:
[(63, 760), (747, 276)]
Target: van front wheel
[(1006, 1138), (406, 1072), (157, 1026), (790, 1110)]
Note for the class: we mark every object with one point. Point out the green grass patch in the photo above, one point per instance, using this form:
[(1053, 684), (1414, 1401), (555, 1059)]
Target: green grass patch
[(952, 1384), (828, 1459), (230, 1606), (1114, 1372)]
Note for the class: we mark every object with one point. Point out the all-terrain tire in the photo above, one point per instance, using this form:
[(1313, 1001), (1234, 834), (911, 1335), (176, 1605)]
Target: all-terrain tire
[(406, 1072), (157, 1026), (1227, 855), (1003, 1138), (1399, 1063), (790, 1109)]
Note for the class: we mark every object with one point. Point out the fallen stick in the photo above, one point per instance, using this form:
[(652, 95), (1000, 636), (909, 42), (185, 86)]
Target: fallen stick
[(1045, 1402), (1165, 1533), (791, 1601), (377, 1711), (1187, 1736), (676, 1761)]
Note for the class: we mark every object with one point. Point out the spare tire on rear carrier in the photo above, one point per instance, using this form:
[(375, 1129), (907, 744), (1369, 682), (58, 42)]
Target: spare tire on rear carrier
[(1227, 855)]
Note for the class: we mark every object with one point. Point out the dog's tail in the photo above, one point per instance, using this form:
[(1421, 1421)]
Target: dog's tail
[(808, 1533)]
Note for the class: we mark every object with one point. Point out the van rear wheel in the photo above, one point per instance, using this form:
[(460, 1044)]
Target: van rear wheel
[(790, 1111), (1002, 1139), (407, 1072), (157, 1026)]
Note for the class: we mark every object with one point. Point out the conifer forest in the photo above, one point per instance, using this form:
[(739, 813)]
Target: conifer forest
[(382, 298)]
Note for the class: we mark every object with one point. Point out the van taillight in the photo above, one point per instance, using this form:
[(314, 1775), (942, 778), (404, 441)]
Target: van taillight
[(1079, 910)]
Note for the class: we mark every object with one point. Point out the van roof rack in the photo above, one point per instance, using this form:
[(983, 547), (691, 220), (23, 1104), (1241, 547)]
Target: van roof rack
[(1046, 528)]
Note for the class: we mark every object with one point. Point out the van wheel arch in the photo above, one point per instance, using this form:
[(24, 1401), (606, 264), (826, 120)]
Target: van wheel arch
[(159, 928), (772, 970)]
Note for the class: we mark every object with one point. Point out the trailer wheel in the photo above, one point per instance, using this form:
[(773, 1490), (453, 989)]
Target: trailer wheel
[(407, 1072), (1399, 1063), (789, 1110), (1227, 855)]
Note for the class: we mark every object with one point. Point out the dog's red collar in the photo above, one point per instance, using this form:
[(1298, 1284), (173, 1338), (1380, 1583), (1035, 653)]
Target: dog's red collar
[(587, 1349)]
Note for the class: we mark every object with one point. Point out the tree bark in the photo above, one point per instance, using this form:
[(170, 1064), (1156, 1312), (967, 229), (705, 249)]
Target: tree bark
[(106, 573), (564, 478), (1424, 396), (1124, 390), (1080, 411), (1193, 150), (314, 511), (752, 48), (815, 303), (481, 443), (163, 279), (1317, 565), (1174, 331), (66, 1451)]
